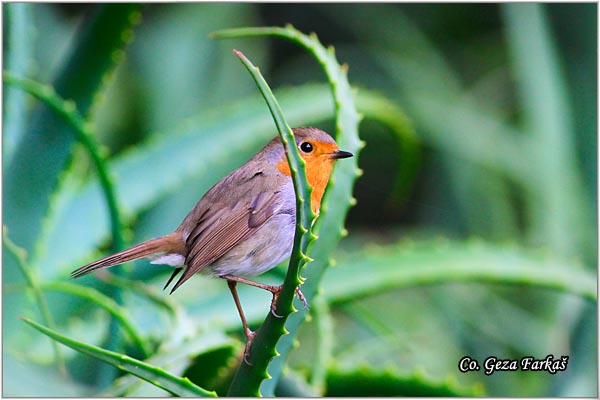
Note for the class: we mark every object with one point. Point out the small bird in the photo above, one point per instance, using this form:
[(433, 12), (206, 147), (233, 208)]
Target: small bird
[(244, 225)]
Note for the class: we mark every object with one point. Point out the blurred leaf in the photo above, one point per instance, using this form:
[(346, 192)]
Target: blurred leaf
[(325, 336), (157, 376), (472, 140), (413, 263), (293, 384), (181, 77), (213, 369), (463, 127), (102, 301), (18, 58), (367, 383), (68, 111), (32, 280), (102, 37), (21, 378), (581, 378), (176, 354), (376, 106), (548, 123), (85, 136)]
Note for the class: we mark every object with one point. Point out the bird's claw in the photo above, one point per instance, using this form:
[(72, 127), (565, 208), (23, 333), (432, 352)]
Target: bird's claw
[(274, 301), (276, 290), (301, 297), (249, 338), (250, 334)]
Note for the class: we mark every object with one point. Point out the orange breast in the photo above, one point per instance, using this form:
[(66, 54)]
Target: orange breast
[(318, 170)]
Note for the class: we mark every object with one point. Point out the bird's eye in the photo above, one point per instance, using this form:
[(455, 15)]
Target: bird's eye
[(306, 147)]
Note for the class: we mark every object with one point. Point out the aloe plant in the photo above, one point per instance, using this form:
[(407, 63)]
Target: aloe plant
[(455, 245), (339, 188)]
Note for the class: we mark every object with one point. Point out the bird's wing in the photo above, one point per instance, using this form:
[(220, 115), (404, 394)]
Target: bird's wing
[(219, 229)]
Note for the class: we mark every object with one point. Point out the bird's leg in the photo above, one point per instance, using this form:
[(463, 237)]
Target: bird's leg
[(249, 334), (275, 290)]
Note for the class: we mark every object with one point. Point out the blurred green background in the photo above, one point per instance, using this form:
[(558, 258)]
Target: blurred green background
[(480, 161)]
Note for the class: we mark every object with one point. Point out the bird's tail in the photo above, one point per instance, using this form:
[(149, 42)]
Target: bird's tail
[(171, 243)]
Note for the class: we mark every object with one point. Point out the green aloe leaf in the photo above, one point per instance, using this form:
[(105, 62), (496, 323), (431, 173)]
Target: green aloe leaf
[(549, 128), (366, 382), (20, 257), (175, 353), (46, 147), (413, 263), (119, 313), (375, 106), (67, 110), (249, 376), (84, 134), (18, 57), (172, 384), (339, 192)]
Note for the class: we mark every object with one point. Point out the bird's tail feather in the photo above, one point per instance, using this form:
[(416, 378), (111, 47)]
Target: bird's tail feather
[(165, 244)]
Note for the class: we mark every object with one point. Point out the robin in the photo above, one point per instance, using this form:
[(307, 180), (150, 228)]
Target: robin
[(244, 225)]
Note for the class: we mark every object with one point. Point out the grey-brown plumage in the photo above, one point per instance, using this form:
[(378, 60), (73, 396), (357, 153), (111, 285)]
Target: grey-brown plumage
[(244, 225)]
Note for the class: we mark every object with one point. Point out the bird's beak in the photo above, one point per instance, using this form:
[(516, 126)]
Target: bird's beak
[(340, 154)]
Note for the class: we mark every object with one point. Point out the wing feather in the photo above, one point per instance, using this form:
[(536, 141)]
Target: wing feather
[(219, 231)]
